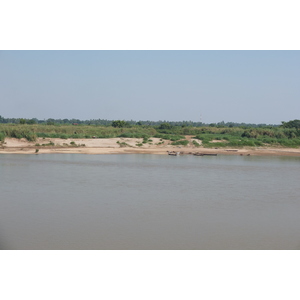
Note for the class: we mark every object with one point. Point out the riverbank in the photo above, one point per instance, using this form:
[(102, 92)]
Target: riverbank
[(129, 145)]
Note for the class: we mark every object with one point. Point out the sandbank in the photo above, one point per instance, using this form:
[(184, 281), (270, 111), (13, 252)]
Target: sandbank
[(128, 145)]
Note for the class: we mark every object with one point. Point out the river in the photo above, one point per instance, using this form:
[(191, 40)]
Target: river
[(141, 201)]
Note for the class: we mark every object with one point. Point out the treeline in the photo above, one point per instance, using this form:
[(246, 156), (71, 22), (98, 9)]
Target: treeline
[(50, 121), (104, 122)]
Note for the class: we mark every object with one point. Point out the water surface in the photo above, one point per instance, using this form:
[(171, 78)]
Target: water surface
[(136, 201)]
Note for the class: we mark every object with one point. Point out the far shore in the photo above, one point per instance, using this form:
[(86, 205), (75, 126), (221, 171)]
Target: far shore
[(127, 146)]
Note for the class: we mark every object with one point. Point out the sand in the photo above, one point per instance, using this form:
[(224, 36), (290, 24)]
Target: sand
[(112, 146)]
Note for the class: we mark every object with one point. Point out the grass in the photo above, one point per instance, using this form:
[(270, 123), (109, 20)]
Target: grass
[(44, 145), (227, 136), (73, 144), (49, 144), (195, 143), (171, 137), (137, 135), (123, 144), (250, 138), (292, 143), (181, 142), (31, 132), (2, 136), (230, 141)]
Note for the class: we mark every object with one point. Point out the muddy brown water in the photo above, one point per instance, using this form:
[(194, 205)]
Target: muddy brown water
[(141, 201)]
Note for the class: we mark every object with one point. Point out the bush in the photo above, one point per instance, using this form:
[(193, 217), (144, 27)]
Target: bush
[(293, 143), (49, 144), (123, 144), (2, 136)]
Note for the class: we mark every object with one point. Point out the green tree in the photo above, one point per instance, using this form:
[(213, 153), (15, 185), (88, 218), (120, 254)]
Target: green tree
[(291, 124), (31, 121), (119, 124), (165, 126), (50, 122)]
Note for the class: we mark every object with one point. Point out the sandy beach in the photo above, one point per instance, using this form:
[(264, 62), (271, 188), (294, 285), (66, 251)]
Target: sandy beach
[(128, 145)]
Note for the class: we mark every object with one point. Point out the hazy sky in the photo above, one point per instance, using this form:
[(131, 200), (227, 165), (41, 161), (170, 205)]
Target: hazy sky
[(207, 86)]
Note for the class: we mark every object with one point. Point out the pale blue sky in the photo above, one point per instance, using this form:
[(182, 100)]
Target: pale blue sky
[(230, 86)]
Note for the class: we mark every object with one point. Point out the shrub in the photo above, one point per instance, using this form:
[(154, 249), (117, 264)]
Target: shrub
[(2, 136), (49, 144), (293, 143), (123, 144)]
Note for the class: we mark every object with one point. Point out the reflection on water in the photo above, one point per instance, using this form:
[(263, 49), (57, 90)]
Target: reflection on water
[(75, 201)]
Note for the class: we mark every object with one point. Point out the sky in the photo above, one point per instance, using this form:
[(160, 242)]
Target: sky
[(207, 86)]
